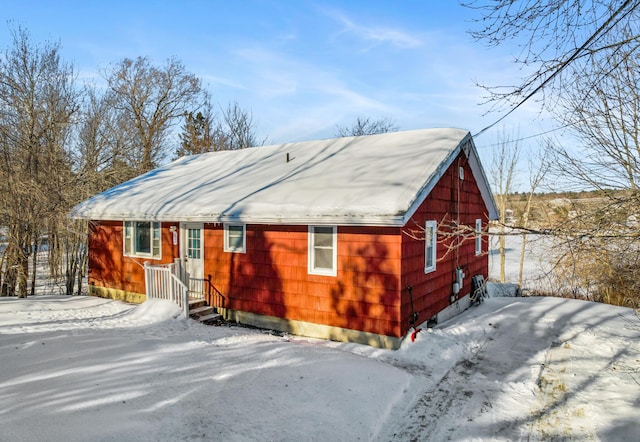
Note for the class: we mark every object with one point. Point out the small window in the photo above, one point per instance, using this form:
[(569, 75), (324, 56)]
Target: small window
[(478, 237), (235, 238), (430, 246), (322, 250), (142, 239)]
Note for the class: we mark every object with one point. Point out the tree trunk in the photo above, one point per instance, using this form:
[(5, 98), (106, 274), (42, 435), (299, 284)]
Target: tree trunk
[(34, 266), (522, 251), (502, 250)]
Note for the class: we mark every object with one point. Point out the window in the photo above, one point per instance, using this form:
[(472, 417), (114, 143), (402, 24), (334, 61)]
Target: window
[(193, 243), (430, 246), (235, 238), (142, 238), (322, 250), (478, 237)]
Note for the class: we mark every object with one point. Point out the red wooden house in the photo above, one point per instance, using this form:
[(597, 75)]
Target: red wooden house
[(354, 239)]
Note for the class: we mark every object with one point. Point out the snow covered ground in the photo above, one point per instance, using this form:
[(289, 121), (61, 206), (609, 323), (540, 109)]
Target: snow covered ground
[(81, 368)]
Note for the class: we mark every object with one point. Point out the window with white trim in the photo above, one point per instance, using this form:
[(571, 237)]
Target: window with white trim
[(235, 238), (323, 250), (142, 239), (478, 237), (430, 246)]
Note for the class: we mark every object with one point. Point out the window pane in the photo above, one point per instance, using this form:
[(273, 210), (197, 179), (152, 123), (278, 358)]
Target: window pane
[(324, 258), (235, 242), (429, 240), (127, 237), (193, 243), (156, 240), (143, 237), (428, 236), (323, 237), (235, 230)]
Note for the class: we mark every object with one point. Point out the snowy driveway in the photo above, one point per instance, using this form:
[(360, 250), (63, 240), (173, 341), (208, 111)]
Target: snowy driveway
[(79, 368), (541, 369)]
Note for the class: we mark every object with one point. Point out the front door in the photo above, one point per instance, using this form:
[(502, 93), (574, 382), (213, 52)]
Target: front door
[(192, 252)]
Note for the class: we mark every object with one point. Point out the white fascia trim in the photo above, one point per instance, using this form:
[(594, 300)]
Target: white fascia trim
[(381, 221), (478, 174), (481, 181)]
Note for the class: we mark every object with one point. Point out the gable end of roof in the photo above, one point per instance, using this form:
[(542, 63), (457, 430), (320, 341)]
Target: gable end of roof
[(467, 147)]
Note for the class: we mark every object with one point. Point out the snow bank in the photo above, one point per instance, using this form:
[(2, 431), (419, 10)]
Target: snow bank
[(156, 310)]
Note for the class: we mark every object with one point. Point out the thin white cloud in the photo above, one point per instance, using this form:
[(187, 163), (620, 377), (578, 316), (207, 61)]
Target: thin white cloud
[(276, 75), (298, 99), (374, 34), (272, 74)]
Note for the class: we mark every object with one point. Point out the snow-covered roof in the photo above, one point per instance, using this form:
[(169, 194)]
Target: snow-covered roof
[(365, 180)]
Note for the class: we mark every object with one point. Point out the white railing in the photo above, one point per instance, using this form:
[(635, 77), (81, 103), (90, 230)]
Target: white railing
[(163, 282)]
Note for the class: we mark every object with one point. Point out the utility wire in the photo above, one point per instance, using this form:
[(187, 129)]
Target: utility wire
[(529, 136)]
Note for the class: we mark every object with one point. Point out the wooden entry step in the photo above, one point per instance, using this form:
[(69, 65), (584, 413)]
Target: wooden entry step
[(202, 312)]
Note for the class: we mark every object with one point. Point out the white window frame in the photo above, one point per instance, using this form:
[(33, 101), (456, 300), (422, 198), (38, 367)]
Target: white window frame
[(129, 235), (478, 237), (430, 246), (227, 244), (313, 270)]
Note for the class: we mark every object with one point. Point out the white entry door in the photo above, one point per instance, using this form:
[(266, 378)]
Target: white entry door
[(193, 255)]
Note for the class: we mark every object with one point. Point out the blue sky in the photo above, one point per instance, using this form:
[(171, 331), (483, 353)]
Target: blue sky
[(301, 67)]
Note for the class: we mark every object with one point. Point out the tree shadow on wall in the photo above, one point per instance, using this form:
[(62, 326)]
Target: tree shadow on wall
[(255, 282), (104, 271), (367, 294)]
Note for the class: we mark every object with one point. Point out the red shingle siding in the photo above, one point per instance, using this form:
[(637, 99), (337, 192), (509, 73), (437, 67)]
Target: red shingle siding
[(375, 265), (450, 198), (272, 277), (108, 267)]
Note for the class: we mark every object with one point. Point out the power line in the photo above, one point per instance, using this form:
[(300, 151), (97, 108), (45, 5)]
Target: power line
[(529, 136), (565, 63)]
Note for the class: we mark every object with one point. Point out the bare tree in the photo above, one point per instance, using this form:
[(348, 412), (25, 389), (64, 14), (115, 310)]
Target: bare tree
[(366, 126), (538, 168), (555, 35), (105, 142), (38, 101), (237, 129), (505, 160), (152, 100), (582, 63), (604, 118)]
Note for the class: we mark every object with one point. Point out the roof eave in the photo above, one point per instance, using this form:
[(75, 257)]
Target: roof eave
[(365, 220)]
